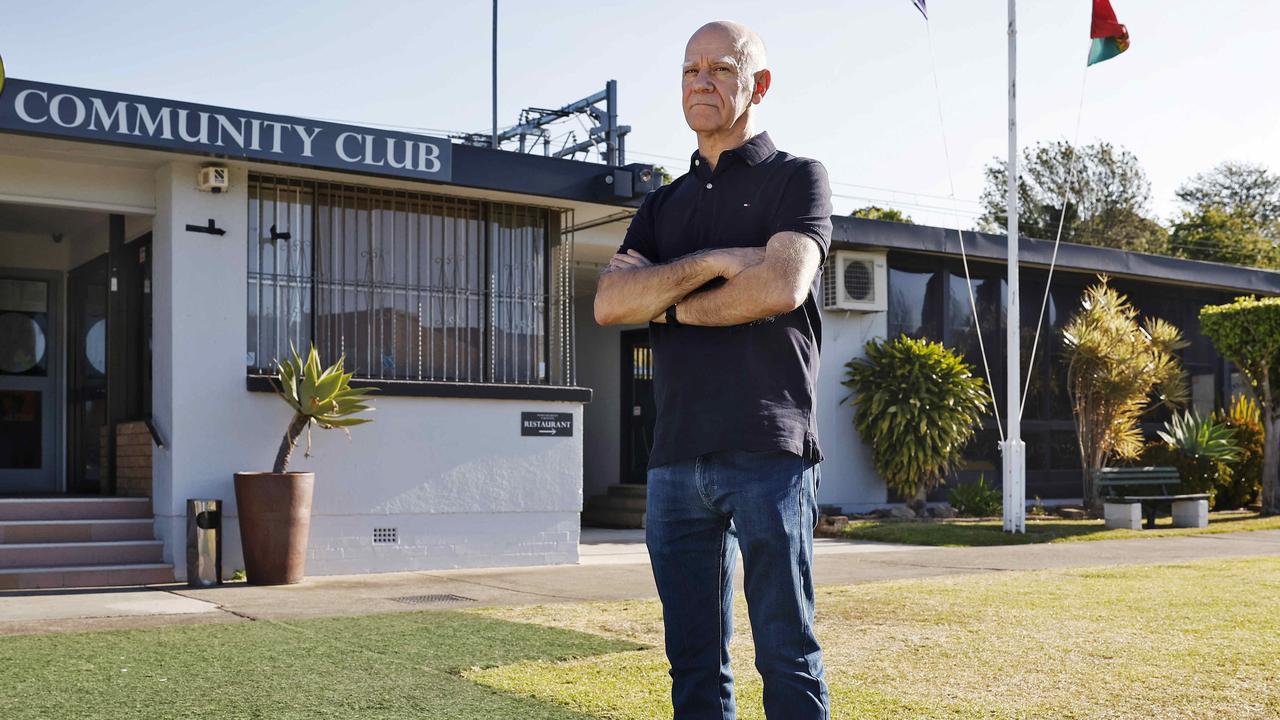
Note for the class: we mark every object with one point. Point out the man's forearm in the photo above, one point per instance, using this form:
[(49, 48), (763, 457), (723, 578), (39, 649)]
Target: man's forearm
[(745, 297), (634, 295)]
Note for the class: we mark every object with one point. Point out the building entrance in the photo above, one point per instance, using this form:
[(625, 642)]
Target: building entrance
[(29, 319)]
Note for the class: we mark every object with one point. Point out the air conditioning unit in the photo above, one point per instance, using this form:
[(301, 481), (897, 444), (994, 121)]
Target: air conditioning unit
[(213, 178), (855, 281)]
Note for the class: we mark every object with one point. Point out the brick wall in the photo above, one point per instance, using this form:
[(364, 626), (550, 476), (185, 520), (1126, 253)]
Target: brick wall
[(133, 459)]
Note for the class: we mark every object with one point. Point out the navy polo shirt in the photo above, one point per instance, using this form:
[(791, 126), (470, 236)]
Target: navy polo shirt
[(743, 387)]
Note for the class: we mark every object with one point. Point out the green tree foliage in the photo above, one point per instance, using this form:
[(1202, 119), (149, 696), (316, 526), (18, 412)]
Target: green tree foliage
[(1231, 215), (875, 212), (1106, 191), (1117, 369), (1244, 189), (1202, 448), (1247, 332), (916, 404), (1245, 418), (1217, 235), (663, 173)]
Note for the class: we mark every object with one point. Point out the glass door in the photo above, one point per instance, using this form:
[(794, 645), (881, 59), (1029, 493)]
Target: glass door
[(87, 377), (28, 383)]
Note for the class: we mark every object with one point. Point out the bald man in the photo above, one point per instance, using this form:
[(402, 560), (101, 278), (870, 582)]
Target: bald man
[(722, 264)]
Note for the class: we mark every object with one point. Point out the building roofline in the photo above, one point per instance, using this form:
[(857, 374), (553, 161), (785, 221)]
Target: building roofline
[(860, 233), (468, 166)]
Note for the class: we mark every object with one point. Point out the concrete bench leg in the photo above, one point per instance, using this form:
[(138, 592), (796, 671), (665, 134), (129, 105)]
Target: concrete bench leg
[(1191, 513), (1123, 515)]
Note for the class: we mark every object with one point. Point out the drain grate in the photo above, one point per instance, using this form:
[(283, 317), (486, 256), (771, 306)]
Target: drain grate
[(433, 599)]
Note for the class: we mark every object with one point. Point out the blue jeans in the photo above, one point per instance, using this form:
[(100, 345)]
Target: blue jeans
[(700, 512)]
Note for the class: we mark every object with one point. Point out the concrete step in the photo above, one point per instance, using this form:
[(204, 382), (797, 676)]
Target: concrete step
[(115, 552), (617, 502), (25, 578), (613, 519), (61, 531), (74, 508)]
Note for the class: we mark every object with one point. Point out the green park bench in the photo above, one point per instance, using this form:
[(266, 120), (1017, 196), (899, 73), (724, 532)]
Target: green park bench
[(1188, 510)]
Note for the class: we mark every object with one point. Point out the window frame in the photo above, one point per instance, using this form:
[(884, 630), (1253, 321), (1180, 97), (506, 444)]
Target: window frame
[(550, 373)]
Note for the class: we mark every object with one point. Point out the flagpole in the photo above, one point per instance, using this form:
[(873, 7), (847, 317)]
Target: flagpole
[(1014, 451)]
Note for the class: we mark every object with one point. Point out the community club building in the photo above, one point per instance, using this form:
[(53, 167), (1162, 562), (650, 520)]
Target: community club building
[(156, 256)]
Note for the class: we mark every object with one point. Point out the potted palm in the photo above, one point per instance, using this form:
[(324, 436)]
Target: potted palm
[(275, 507)]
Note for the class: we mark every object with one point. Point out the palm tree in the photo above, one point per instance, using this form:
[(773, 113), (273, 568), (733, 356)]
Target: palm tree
[(1117, 369)]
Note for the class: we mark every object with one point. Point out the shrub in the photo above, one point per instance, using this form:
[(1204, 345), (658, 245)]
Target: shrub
[(976, 499), (1247, 332), (916, 404), (1245, 418), (1201, 448)]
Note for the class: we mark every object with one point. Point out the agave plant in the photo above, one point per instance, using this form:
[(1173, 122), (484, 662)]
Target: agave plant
[(320, 395), (1194, 436)]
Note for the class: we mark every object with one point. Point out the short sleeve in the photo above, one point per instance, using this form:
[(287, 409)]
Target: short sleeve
[(640, 233), (805, 206)]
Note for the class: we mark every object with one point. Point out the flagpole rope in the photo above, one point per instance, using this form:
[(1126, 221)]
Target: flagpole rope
[(964, 256), (1057, 240)]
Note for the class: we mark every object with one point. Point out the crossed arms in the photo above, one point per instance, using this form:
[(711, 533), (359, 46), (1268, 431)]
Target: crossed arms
[(759, 283)]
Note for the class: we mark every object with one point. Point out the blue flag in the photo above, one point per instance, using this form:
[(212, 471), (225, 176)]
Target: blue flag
[(921, 8)]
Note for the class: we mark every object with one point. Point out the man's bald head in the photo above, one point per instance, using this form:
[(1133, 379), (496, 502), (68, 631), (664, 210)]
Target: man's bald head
[(746, 46)]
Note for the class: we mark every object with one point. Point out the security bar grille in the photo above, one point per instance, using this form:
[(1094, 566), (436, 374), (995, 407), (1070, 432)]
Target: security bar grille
[(409, 286)]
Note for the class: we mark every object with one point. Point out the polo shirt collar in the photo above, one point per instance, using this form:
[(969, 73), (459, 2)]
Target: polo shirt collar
[(753, 151)]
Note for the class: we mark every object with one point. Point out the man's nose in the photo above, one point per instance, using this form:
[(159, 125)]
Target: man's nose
[(702, 83)]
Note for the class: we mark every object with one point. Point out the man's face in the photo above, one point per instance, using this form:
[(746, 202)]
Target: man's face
[(717, 89)]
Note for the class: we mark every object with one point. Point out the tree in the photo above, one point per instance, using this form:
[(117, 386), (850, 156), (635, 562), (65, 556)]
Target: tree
[(1106, 192), (1220, 235), (917, 405), (1244, 189), (1117, 369), (875, 212), (1247, 332), (1232, 215)]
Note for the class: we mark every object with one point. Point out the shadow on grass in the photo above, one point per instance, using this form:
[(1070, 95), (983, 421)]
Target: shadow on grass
[(975, 533), (403, 665)]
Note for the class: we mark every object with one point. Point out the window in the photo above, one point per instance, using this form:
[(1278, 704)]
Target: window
[(409, 286)]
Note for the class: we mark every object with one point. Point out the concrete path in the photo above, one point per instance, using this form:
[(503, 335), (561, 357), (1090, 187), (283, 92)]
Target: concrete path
[(614, 566)]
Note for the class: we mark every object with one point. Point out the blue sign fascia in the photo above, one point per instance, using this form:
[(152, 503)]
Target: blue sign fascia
[(97, 116)]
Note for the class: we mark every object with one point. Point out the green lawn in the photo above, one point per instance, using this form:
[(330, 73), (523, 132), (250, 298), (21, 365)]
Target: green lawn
[(967, 533), (1174, 642), (386, 666), (1194, 640)]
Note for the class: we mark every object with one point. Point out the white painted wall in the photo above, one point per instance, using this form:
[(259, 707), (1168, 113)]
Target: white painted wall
[(98, 186), (453, 476), (599, 368), (849, 478)]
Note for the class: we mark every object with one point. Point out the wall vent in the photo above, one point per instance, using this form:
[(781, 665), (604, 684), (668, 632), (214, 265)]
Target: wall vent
[(385, 536)]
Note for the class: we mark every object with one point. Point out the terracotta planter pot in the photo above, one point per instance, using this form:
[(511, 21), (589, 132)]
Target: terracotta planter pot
[(275, 519)]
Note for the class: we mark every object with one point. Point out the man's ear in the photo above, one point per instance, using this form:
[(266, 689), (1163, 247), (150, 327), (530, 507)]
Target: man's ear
[(762, 80)]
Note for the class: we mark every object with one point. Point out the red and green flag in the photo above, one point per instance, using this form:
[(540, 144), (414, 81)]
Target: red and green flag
[(1110, 38)]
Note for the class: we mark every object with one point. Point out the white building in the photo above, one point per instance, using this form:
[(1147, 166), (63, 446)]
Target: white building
[(139, 314)]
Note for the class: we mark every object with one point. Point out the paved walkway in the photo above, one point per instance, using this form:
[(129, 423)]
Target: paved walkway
[(614, 566)]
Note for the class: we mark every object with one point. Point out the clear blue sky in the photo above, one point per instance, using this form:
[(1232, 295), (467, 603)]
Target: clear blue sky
[(852, 81)]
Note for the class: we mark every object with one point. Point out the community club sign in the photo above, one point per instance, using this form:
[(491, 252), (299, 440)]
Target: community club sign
[(59, 111)]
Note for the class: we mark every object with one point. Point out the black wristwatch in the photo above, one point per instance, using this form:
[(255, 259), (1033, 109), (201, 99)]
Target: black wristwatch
[(671, 315)]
